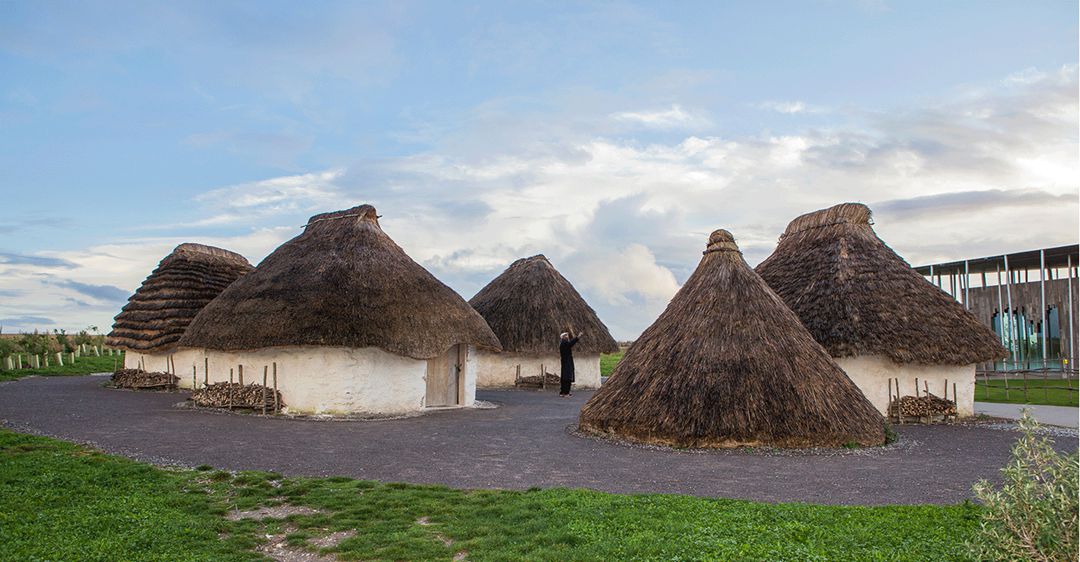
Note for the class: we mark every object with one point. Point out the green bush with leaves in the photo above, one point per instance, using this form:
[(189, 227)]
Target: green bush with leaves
[(1034, 515)]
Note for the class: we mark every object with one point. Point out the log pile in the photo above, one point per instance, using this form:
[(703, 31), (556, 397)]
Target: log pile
[(236, 395), (922, 407), (534, 381), (139, 379)]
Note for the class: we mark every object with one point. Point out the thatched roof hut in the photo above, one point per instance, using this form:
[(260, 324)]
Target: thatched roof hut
[(728, 364), (856, 296), (530, 304), (156, 316), (343, 283)]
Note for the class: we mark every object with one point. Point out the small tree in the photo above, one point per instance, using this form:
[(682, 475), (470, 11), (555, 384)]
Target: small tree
[(1034, 515)]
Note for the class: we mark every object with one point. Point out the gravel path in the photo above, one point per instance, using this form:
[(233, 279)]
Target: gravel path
[(524, 442)]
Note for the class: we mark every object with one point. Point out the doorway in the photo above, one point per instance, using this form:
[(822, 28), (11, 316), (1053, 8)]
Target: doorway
[(446, 378)]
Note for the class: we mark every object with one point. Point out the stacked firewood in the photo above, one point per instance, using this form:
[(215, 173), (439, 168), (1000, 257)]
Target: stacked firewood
[(235, 395), (536, 381), (137, 378), (926, 406)]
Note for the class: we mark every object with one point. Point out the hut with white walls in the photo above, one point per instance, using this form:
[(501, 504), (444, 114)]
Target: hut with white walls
[(155, 317), (528, 306), (876, 315), (353, 325)]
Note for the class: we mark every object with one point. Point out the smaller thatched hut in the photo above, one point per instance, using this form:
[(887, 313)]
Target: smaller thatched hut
[(876, 315), (728, 364), (353, 324), (528, 306), (155, 317)]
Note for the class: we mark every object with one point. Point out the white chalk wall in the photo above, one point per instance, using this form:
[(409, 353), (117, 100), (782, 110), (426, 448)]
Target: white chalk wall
[(154, 362), (499, 370), (326, 380), (871, 373)]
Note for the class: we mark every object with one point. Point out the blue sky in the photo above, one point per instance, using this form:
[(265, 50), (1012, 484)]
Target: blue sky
[(610, 136)]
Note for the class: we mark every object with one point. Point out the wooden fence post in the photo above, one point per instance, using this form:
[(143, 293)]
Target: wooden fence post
[(265, 368), (277, 404)]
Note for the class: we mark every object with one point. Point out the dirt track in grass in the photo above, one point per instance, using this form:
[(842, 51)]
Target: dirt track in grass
[(523, 443)]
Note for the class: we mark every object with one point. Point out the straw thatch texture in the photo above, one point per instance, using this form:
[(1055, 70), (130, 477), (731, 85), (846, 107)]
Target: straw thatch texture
[(530, 304), (157, 314), (342, 282), (858, 297), (728, 364)]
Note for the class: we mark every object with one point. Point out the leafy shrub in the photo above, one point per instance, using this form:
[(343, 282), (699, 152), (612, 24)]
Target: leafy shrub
[(1033, 516)]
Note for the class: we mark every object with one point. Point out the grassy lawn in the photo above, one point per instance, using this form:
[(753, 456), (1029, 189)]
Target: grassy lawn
[(82, 366), (1035, 394), (65, 502), (608, 361)]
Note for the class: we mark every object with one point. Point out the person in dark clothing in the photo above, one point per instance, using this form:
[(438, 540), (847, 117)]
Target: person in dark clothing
[(566, 355)]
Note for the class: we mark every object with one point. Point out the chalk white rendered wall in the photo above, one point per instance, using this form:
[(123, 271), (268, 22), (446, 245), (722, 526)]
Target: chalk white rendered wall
[(871, 374), (154, 362), (499, 370), (327, 380)]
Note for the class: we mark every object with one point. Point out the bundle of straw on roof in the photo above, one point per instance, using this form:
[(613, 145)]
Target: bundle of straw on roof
[(530, 304), (184, 282), (344, 283), (728, 364), (858, 297)]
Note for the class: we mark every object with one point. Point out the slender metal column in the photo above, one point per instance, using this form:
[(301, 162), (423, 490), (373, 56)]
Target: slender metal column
[(931, 273), (1001, 310), (1042, 302), (1072, 352), (1012, 321), (967, 286)]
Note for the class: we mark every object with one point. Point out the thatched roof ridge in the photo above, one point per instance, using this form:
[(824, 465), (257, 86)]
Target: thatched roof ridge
[(858, 297), (156, 316), (531, 303), (342, 283), (728, 364)]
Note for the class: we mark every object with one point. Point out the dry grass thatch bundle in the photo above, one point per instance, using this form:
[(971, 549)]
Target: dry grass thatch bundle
[(530, 304), (236, 395), (858, 297), (728, 364), (342, 282), (139, 379), (157, 314)]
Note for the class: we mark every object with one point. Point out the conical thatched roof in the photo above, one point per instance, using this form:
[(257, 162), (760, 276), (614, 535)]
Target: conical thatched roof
[(342, 282), (858, 297), (728, 364), (157, 314), (530, 304)]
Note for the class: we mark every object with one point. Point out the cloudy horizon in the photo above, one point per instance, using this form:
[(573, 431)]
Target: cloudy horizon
[(610, 137)]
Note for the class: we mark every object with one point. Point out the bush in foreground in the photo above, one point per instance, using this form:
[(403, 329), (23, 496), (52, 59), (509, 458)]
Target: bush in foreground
[(1033, 516)]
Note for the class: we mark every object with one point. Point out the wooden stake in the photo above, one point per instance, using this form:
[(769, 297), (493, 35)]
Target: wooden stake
[(955, 399), (241, 375), (946, 389), (265, 368), (206, 371), (194, 378), (926, 387), (277, 406), (916, 387), (230, 387), (543, 378)]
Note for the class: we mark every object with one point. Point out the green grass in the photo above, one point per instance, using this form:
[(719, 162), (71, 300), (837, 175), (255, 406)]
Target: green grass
[(1035, 394), (83, 366), (608, 361), (65, 502)]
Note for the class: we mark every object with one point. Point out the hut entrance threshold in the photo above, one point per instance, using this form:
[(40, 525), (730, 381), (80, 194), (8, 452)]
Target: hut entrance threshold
[(446, 378)]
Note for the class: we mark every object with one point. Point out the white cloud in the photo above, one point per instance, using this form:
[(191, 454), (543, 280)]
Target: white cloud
[(249, 202), (673, 117), (791, 107)]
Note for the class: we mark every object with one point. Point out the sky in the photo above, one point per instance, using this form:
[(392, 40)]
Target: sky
[(610, 136)]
